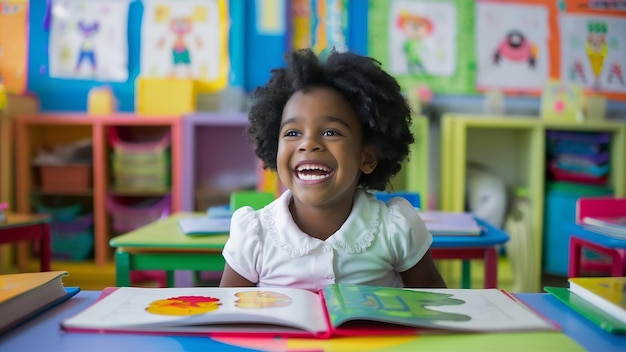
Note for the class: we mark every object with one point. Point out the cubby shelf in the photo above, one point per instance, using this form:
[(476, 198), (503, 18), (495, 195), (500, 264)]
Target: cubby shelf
[(35, 131), (514, 148)]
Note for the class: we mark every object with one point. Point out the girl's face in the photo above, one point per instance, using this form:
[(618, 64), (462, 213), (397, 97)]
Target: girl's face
[(320, 148)]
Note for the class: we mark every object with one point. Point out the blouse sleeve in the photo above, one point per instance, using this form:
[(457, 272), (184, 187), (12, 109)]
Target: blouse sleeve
[(408, 237), (242, 251)]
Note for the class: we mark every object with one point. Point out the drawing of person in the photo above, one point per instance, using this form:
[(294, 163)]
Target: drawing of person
[(596, 48), (181, 27), (86, 49), (416, 28)]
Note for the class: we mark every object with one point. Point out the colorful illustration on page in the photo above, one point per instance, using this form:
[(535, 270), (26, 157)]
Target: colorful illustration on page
[(593, 51), (261, 299), (88, 40), (512, 46), (186, 39), (184, 305)]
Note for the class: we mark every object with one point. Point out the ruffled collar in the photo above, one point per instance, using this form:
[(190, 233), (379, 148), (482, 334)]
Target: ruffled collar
[(354, 236)]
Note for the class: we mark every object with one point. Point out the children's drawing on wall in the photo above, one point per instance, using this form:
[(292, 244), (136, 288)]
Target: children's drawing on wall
[(329, 25), (424, 44), (13, 45), (422, 38), (88, 40), (185, 39), (416, 28), (593, 51), (512, 46)]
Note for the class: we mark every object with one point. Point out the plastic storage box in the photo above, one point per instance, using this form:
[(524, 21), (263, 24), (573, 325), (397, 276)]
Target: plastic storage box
[(141, 165), (129, 213), (71, 177), (73, 240), (560, 209)]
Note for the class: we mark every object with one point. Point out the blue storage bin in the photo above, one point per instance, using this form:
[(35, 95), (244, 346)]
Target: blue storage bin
[(560, 209), (73, 240)]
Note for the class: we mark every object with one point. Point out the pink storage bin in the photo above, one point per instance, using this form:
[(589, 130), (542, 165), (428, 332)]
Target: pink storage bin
[(130, 213), (141, 150)]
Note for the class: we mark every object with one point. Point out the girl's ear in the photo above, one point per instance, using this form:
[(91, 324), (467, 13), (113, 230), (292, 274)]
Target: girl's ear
[(369, 159)]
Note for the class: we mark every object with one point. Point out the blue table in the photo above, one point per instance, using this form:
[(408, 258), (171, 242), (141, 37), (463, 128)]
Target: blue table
[(43, 334), (485, 247)]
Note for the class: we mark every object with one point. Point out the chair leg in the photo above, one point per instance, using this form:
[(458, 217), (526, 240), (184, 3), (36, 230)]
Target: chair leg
[(491, 267), (575, 250)]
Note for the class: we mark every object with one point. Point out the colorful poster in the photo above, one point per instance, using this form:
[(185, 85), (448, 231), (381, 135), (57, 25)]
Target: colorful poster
[(88, 40), (301, 15), (424, 42), (13, 45), (593, 51), (330, 25), (186, 39), (512, 46)]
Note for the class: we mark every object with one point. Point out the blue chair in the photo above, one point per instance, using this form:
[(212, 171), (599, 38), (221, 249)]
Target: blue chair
[(412, 197)]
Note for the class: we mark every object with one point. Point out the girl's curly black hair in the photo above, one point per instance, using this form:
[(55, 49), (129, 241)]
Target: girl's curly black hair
[(374, 94)]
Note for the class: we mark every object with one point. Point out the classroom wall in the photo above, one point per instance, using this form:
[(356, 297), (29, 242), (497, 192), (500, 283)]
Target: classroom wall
[(253, 55)]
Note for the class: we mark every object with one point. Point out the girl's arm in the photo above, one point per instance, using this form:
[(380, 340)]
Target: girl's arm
[(230, 278), (424, 274)]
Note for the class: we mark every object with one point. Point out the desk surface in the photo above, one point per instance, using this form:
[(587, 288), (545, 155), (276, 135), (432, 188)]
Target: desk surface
[(165, 233), (43, 334), (19, 220)]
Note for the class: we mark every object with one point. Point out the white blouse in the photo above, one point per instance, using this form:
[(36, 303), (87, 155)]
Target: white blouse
[(375, 244)]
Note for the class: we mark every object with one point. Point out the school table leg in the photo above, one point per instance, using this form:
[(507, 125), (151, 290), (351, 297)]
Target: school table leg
[(46, 246), (171, 278), (122, 268), (466, 274)]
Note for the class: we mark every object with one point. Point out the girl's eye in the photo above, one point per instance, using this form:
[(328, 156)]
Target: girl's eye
[(330, 133), (291, 133)]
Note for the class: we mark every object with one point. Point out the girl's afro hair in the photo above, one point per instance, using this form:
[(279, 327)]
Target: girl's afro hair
[(374, 94)]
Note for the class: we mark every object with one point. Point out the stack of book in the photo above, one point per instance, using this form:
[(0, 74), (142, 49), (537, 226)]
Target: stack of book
[(580, 157), (602, 300), (450, 223)]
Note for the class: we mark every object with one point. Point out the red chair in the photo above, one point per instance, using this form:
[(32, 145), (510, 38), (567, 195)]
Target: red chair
[(590, 250)]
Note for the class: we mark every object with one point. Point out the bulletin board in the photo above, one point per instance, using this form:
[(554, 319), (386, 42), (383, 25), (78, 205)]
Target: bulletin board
[(319, 24), (63, 94), (425, 42), (13, 48)]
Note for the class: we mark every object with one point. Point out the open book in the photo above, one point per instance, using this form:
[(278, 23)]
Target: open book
[(338, 310)]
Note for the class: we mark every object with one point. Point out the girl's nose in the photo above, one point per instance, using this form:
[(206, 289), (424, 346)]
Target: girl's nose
[(310, 143)]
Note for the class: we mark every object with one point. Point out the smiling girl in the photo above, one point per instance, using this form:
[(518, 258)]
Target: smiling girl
[(334, 128)]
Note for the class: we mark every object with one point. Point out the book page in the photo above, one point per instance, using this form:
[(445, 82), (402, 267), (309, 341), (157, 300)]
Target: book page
[(479, 310), (203, 309)]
